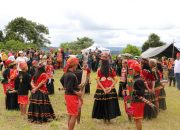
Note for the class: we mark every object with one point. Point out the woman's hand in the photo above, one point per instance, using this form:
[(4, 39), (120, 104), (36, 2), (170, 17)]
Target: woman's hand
[(12, 91), (81, 101), (34, 90), (32, 86), (79, 93), (105, 91), (108, 90)]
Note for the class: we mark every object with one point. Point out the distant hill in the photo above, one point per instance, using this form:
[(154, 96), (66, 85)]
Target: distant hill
[(115, 50)]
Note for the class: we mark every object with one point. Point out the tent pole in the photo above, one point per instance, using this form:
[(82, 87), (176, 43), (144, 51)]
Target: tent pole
[(173, 49)]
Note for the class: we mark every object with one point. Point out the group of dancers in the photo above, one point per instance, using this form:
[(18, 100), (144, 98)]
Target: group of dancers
[(18, 81), (141, 87)]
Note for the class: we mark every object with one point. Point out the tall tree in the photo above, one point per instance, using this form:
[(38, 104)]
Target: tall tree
[(134, 50), (1, 36), (153, 41), (27, 31), (84, 42), (78, 45)]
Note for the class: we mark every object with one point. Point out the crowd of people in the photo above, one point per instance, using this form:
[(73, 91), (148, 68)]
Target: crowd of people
[(141, 86)]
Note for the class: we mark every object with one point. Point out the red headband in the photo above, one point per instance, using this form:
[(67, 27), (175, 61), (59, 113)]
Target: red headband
[(136, 66), (23, 65), (71, 62)]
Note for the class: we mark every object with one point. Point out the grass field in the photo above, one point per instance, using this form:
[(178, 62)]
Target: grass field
[(167, 120)]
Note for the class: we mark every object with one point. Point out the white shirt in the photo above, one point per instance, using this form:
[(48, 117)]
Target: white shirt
[(11, 58), (85, 58), (177, 66)]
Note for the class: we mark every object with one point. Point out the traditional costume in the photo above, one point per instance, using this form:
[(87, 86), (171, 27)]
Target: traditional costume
[(106, 105), (149, 78), (40, 108), (12, 97), (123, 81), (50, 83), (138, 92), (87, 85), (162, 93), (5, 76), (59, 59), (127, 92), (22, 85), (69, 81)]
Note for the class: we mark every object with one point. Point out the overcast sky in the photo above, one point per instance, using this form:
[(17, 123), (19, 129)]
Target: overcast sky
[(107, 22)]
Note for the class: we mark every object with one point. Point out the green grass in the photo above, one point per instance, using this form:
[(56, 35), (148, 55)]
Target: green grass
[(167, 120)]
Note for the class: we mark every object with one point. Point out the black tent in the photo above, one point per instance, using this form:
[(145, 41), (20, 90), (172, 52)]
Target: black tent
[(168, 50)]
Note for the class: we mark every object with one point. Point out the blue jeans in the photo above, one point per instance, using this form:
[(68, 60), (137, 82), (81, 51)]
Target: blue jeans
[(177, 75)]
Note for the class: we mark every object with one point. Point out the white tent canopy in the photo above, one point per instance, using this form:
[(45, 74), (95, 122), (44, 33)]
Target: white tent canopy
[(93, 48)]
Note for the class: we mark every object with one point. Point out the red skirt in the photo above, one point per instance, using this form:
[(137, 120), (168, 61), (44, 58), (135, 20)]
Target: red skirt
[(138, 110), (72, 104), (23, 100)]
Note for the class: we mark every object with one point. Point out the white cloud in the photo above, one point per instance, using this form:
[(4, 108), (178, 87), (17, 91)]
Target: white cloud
[(110, 22)]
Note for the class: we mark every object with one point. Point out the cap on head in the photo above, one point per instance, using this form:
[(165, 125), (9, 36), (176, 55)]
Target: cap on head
[(20, 52)]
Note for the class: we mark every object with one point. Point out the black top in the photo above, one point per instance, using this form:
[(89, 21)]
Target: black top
[(78, 74), (139, 88), (23, 83), (32, 71), (70, 83), (5, 76)]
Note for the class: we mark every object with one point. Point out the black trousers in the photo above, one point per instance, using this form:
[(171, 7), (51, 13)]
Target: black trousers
[(172, 79)]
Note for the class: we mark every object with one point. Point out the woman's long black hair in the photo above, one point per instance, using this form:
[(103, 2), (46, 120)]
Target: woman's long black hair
[(38, 73), (105, 68), (146, 66)]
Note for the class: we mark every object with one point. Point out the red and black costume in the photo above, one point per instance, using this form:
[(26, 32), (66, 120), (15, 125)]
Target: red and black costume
[(70, 83), (149, 78), (87, 87), (22, 86), (50, 83), (11, 97), (106, 106), (138, 91), (162, 92), (40, 108), (123, 81)]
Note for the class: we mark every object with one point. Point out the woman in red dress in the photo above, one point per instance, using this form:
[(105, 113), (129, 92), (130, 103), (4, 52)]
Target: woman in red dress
[(149, 79), (87, 87), (5, 81), (11, 96), (50, 72), (59, 59), (40, 108), (106, 104)]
